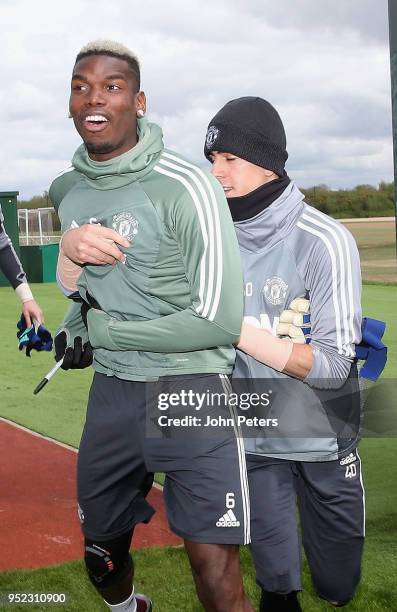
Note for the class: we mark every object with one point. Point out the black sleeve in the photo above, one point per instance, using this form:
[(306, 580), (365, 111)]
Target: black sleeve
[(9, 261)]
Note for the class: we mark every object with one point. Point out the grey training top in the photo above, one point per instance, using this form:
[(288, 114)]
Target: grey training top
[(288, 250)]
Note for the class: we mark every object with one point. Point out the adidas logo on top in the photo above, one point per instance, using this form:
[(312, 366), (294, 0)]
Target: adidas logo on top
[(228, 520)]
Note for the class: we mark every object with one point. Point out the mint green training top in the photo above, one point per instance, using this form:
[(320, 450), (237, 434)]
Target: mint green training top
[(176, 305)]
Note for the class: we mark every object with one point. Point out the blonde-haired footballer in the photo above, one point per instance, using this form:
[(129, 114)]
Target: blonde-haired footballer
[(163, 318)]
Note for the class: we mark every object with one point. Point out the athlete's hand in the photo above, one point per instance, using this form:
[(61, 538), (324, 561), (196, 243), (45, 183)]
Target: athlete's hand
[(93, 244), (75, 357), (31, 310), (295, 322)]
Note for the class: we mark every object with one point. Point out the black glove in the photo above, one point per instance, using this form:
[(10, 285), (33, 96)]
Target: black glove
[(77, 357)]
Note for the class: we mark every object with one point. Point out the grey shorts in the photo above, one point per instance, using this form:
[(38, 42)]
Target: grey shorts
[(206, 485), (330, 499)]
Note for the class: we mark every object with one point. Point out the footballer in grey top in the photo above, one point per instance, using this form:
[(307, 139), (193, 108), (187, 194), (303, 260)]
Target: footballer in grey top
[(309, 254), (304, 455)]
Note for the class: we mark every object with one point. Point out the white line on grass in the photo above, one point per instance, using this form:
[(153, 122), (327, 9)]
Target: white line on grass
[(39, 435)]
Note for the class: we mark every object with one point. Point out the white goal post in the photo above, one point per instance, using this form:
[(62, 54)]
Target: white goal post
[(36, 226)]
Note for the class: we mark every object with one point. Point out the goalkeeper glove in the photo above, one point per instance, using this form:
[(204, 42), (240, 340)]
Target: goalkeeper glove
[(371, 349), (295, 322)]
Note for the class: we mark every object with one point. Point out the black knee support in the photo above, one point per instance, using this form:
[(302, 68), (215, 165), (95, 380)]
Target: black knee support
[(108, 562)]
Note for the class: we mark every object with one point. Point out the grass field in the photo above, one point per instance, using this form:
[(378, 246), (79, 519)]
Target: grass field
[(376, 241), (163, 573)]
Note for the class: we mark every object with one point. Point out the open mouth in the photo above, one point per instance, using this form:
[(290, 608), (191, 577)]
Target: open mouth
[(95, 123)]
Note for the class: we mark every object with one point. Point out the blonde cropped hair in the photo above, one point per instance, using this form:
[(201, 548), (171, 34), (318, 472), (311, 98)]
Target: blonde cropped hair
[(112, 49)]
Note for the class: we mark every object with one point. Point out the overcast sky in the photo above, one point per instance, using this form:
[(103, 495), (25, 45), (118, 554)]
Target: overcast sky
[(323, 64)]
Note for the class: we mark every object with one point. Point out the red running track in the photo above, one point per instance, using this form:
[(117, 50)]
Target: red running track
[(38, 517)]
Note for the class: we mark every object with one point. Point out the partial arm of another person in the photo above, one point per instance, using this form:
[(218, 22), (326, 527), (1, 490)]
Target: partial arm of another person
[(252, 340), (13, 271), (333, 279), (283, 355)]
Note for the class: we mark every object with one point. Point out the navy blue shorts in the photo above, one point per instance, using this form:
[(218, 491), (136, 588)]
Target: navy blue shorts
[(206, 485)]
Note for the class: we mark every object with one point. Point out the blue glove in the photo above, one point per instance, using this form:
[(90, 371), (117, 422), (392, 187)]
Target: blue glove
[(36, 337), (371, 349)]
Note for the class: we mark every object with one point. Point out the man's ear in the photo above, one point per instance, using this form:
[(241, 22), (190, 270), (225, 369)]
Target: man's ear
[(140, 104)]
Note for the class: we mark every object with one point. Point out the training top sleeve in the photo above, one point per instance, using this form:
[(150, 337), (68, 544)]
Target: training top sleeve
[(9, 260), (209, 248), (333, 278), (73, 324)]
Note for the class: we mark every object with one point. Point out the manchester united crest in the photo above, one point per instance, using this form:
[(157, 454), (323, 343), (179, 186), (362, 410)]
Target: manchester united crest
[(125, 224), (275, 290), (212, 135)]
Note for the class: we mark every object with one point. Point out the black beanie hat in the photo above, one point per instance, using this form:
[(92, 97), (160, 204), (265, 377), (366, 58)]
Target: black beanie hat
[(250, 128)]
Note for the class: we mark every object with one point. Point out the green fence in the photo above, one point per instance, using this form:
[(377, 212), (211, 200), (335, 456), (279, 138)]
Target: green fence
[(40, 262)]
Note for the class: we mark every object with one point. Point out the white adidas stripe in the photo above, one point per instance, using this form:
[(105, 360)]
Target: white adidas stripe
[(342, 232), (327, 243), (205, 307), (242, 464), (346, 283), (231, 516), (21, 272), (224, 519), (68, 169), (362, 486), (206, 207), (342, 279), (203, 230), (218, 233)]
